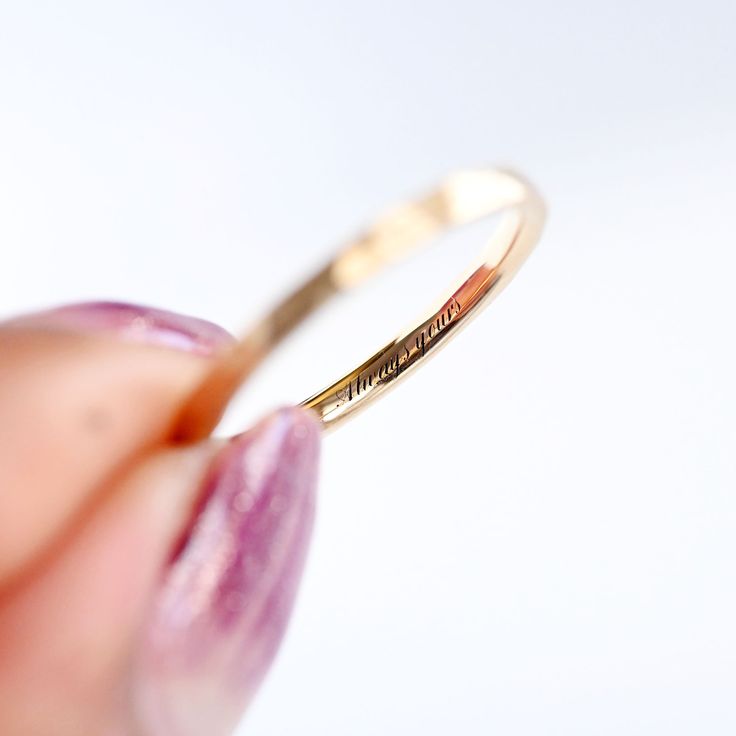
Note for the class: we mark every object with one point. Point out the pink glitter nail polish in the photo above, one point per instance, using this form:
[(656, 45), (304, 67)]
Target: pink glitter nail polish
[(226, 597), (135, 323)]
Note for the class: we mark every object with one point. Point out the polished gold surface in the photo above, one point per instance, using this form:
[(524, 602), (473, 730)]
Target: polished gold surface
[(463, 198)]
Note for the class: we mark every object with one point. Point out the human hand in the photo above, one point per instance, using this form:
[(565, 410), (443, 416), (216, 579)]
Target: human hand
[(144, 587)]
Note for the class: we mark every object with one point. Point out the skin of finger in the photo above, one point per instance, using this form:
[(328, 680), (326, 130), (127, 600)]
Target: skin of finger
[(76, 410), (68, 635)]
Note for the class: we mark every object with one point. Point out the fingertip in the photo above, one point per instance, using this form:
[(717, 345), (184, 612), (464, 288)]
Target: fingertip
[(225, 599)]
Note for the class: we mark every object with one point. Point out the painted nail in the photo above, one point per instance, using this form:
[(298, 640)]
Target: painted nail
[(136, 323), (226, 597)]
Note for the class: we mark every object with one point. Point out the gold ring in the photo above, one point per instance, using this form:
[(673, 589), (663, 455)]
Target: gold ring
[(462, 198)]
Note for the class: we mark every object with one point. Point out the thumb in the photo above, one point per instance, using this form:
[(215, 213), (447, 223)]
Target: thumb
[(161, 615)]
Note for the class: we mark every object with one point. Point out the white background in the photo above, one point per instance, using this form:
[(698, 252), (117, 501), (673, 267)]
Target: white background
[(536, 534)]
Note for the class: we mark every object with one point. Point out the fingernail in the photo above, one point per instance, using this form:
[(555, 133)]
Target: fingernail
[(226, 596), (135, 323)]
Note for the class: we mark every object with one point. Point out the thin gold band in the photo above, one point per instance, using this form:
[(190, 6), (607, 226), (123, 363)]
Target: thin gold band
[(462, 198)]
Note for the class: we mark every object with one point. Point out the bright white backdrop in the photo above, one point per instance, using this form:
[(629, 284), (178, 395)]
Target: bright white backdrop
[(536, 533)]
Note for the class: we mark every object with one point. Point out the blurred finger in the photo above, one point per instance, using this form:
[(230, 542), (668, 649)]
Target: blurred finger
[(157, 619), (83, 390)]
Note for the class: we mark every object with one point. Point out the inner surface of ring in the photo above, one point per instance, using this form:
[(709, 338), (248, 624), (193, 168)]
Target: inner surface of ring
[(463, 198)]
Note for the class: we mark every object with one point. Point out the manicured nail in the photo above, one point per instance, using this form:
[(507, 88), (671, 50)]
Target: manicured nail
[(227, 595), (135, 323)]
